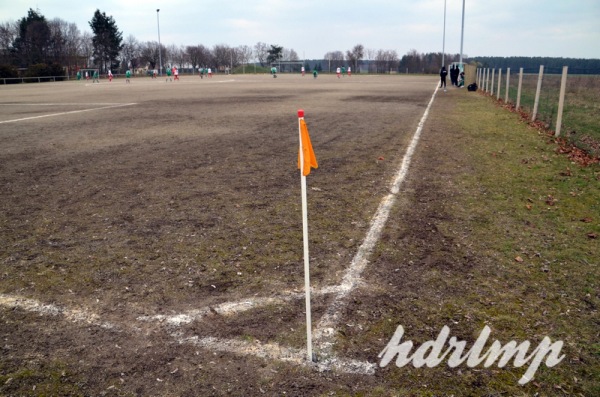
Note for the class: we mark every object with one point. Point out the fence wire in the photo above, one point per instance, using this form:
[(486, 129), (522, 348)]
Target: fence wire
[(581, 113)]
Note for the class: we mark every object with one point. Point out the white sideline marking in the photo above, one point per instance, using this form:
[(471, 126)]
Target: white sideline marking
[(73, 315), (70, 112), (324, 334), (61, 104), (274, 351), (235, 307)]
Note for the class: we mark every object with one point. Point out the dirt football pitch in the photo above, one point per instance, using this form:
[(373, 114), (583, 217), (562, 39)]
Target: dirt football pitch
[(151, 234)]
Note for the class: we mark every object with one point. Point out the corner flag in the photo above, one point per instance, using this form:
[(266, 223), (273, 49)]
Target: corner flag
[(308, 157), (306, 160)]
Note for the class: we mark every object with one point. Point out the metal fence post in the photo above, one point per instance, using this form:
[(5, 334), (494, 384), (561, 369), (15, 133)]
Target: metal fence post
[(493, 77)]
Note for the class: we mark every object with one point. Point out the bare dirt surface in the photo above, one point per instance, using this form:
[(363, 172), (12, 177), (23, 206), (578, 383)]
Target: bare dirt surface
[(151, 236), (182, 197)]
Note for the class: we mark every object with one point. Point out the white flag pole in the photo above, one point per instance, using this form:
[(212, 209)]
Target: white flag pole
[(305, 240)]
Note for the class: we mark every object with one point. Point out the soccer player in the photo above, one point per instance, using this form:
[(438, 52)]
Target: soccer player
[(127, 76), (110, 76), (338, 71)]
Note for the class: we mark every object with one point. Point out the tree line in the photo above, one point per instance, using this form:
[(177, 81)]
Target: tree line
[(40, 47)]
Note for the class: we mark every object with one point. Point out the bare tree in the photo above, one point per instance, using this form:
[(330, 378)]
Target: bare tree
[(170, 57), (289, 55), (193, 56), (386, 61), (87, 49), (130, 54), (245, 54), (412, 61), (8, 33), (335, 58), (205, 56), (181, 57), (355, 55), (73, 46), (222, 56), (149, 53), (371, 53), (57, 43), (261, 51)]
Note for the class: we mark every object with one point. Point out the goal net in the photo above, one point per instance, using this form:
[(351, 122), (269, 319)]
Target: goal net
[(288, 66), (90, 73)]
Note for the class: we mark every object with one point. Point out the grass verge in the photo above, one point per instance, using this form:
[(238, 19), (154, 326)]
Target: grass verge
[(499, 229)]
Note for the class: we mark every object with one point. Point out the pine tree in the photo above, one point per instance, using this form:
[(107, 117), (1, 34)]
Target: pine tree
[(107, 40), (33, 39)]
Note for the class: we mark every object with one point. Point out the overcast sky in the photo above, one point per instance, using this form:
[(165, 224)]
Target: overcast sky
[(557, 28)]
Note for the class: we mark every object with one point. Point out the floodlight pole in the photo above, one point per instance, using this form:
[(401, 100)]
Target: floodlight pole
[(462, 32), (159, 50), (444, 39)]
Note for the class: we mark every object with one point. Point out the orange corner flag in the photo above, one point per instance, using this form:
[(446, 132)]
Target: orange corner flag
[(310, 160)]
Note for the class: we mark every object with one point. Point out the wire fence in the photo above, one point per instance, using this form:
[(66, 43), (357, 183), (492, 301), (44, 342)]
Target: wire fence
[(537, 93)]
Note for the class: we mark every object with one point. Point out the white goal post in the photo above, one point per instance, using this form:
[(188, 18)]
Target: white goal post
[(90, 72), (288, 66)]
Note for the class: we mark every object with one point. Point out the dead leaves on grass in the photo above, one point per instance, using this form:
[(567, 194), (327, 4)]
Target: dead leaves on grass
[(575, 154)]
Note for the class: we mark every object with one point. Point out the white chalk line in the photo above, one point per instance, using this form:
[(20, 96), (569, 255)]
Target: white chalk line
[(275, 351), (324, 333), (272, 351), (65, 113), (60, 104), (234, 307), (73, 315)]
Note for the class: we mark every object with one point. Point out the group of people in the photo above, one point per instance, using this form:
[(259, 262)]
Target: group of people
[(205, 71), (342, 71), (457, 78), (96, 76), (172, 74)]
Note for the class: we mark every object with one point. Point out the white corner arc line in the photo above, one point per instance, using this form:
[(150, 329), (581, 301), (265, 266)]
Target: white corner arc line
[(275, 351), (324, 333), (64, 113), (73, 315)]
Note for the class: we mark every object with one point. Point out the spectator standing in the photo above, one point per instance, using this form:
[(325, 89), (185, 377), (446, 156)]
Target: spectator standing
[(443, 74)]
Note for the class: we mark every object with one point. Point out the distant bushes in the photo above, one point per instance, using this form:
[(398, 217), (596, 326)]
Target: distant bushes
[(33, 74), (45, 70), (7, 72)]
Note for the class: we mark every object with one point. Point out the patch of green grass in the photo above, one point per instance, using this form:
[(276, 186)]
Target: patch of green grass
[(539, 216), (581, 108), (509, 244), (54, 379)]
